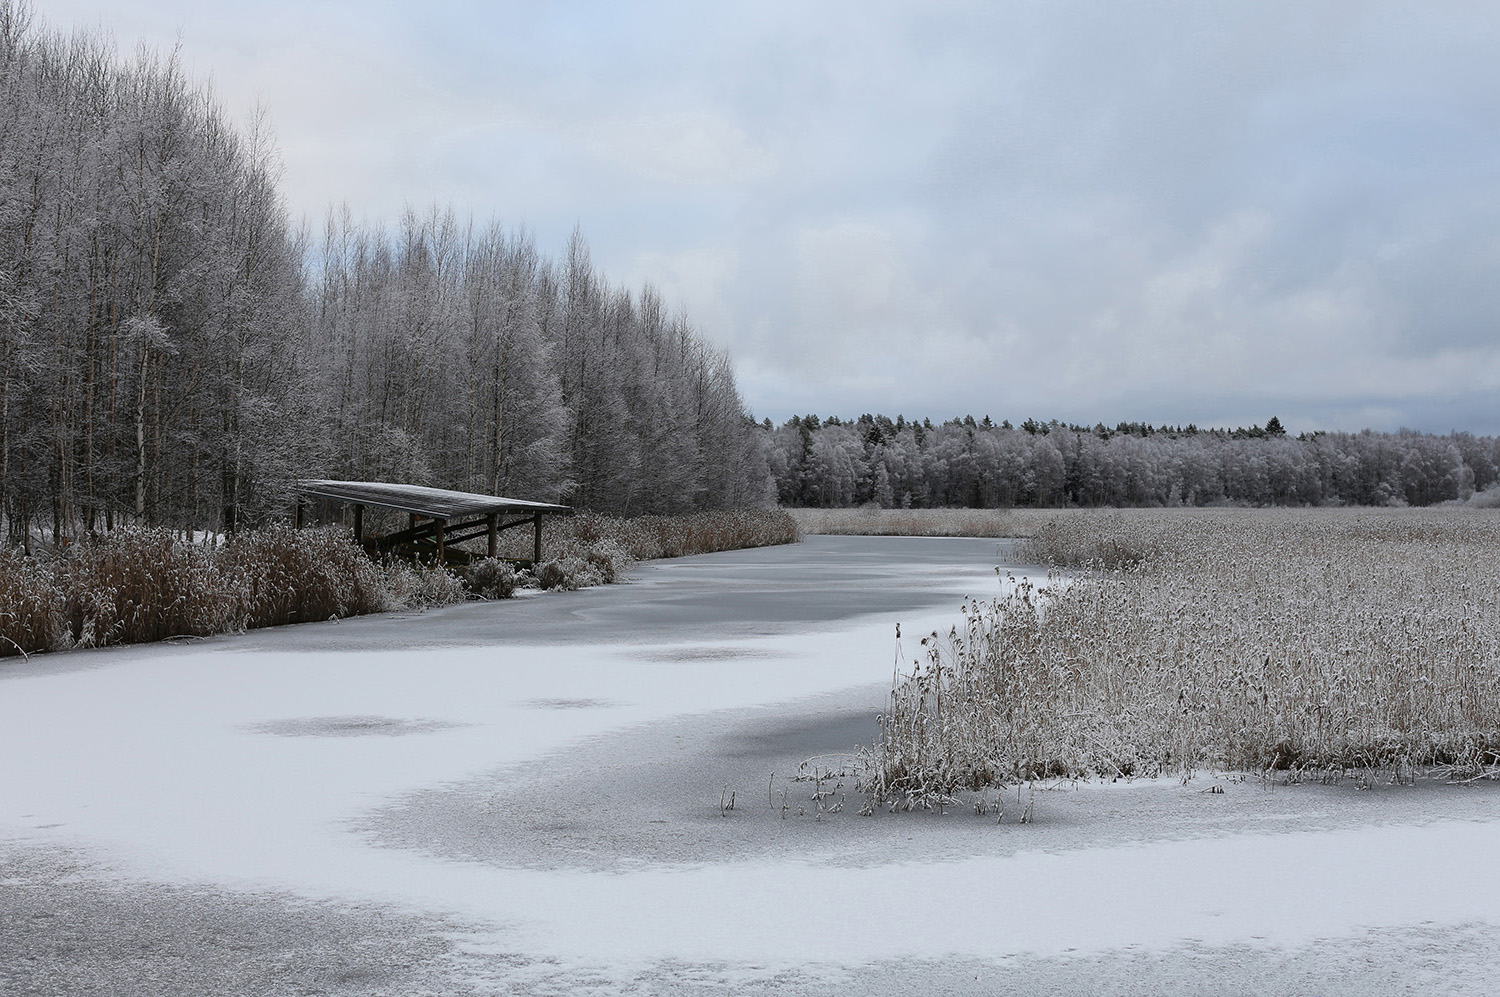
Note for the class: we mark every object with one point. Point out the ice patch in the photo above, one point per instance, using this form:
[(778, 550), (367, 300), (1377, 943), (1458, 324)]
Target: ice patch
[(565, 703), (354, 726), (707, 652)]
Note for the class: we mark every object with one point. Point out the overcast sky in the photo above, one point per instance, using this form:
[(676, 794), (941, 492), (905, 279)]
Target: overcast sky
[(1170, 212)]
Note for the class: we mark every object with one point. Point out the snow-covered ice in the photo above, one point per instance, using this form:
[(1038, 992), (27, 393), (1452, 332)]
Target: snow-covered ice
[(540, 779)]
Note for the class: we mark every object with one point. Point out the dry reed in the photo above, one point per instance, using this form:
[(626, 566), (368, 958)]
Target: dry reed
[(135, 585), (279, 575), (1305, 642), (646, 538), (31, 606), (872, 521), (140, 585)]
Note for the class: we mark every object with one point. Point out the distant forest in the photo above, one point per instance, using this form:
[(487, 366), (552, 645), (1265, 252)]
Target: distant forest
[(173, 351), (963, 462)]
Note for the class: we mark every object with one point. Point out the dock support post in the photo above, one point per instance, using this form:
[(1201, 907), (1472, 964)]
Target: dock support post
[(489, 522), (536, 539), (440, 524), (359, 524)]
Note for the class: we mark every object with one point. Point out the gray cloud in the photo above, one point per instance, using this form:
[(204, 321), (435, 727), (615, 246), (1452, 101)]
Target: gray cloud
[(1167, 211)]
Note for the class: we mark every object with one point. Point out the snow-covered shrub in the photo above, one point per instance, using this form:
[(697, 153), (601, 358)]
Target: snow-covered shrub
[(1487, 499), (568, 573), (608, 558), (418, 587), (30, 604), (491, 578)]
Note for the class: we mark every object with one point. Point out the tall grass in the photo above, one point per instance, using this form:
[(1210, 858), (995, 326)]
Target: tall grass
[(140, 585), (589, 549), (873, 521), (31, 606), (137, 585), (646, 538), (1312, 643), (279, 575)]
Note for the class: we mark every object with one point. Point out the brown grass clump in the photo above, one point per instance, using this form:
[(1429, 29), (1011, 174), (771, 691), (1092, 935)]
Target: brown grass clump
[(31, 607), (1311, 643), (138, 585), (135, 585), (132, 586), (491, 578)]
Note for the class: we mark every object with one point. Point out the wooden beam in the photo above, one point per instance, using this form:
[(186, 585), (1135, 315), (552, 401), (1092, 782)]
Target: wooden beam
[(419, 532), (523, 521), (426, 532), (536, 540), (457, 533), (440, 524), (359, 523), (297, 515)]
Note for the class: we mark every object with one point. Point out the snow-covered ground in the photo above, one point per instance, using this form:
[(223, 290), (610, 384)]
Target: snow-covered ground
[(525, 797)]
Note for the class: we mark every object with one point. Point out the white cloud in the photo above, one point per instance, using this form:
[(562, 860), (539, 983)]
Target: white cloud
[(697, 280), (684, 147)]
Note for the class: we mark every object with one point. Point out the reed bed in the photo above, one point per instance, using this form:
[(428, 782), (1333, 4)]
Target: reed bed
[(872, 521), (1303, 643), (646, 538), (132, 586), (139, 585), (279, 575), (590, 549), (31, 605)]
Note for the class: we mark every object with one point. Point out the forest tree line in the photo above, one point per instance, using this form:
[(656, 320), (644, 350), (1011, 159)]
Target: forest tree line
[(174, 351), (978, 464)]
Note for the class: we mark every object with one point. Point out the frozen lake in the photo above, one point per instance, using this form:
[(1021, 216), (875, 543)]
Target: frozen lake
[(525, 797)]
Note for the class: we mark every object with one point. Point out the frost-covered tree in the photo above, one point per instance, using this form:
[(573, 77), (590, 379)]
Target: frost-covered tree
[(964, 462), (173, 352), (147, 276)]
